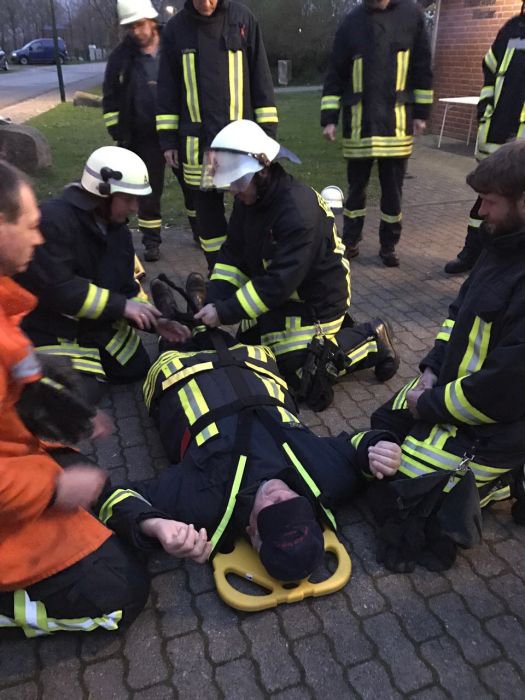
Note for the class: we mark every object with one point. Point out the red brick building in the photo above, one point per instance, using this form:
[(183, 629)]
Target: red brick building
[(463, 32)]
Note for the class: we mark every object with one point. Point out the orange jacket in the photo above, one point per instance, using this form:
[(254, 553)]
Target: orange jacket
[(36, 540)]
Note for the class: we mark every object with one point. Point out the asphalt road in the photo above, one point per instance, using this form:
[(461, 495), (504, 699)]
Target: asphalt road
[(24, 82)]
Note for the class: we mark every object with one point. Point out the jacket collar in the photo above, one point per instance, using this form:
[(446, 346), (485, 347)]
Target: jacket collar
[(76, 195)]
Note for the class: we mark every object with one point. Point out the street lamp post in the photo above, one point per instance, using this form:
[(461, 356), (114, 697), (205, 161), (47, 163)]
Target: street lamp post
[(57, 53)]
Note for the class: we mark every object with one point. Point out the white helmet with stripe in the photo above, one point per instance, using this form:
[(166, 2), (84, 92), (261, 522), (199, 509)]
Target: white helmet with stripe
[(112, 169)]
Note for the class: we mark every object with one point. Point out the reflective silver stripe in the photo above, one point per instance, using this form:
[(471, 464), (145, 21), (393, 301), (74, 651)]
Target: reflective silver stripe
[(330, 102), (477, 349), (460, 407), (516, 43), (362, 351), (400, 400), (236, 80), (250, 300), (95, 302), (230, 274), (190, 82), (490, 61), (123, 183), (212, 245), (266, 115), (29, 366)]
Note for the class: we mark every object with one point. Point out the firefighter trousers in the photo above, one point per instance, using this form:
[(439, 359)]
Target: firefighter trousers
[(211, 223), (391, 175), (150, 217), (473, 242)]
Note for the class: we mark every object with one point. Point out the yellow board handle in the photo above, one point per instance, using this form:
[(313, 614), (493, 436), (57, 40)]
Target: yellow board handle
[(244, 561)]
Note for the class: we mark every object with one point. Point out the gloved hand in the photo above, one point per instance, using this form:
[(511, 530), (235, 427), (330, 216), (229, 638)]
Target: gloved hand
[(52, 408)]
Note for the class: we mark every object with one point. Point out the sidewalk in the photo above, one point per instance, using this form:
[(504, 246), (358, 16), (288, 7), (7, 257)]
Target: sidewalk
[(426, 636)]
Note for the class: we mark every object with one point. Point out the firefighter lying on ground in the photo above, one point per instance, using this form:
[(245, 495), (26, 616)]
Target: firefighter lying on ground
[(88, 308), (60, 568), (242, 462), (462, 423), (282, 272)]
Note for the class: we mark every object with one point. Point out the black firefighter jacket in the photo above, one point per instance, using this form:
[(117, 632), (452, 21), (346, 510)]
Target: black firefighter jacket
[(501, 107), (82, 276), (281, 253), (479, 358), (213, 70), (122, 79), (196, 401), (380, 77)]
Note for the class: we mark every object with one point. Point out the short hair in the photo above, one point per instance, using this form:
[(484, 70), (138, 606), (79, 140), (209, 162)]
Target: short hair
[(11, 180), (503, 172)]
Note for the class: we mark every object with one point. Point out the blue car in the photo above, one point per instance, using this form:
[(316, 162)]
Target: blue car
[(40, 51)]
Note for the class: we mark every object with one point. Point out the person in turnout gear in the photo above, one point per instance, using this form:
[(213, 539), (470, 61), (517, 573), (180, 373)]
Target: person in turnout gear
[(242, 462), (380, 80), (88, 308), (213, 70), (282, 272), (501, 118), (462, 422), (129, 103), (60, 568)]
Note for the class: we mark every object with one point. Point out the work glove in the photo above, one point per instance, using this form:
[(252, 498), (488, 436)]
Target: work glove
[(52, 408)]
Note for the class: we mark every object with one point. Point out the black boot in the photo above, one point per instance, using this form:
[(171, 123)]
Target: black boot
[(465, 261), (518, 491), (389, 257), (387, 362), (164, 299), (196, 289)]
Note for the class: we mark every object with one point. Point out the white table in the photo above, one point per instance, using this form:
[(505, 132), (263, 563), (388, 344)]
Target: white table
[(472, 101)]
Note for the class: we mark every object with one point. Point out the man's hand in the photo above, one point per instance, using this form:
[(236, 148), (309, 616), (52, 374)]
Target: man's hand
[(103, 426), (419, 127), (143, 315), (172, 158), (172, 331), (427, 380), (384, 458), (412, 399), (209, 316), (178, 539), (78, 486), (329, 132)]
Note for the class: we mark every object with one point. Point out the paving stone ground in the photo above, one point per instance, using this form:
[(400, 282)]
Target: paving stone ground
[(426, 636)]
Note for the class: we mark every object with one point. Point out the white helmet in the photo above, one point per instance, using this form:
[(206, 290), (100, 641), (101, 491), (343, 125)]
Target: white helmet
[(113, 169), (333, 196), (240, 150), (130, 11)]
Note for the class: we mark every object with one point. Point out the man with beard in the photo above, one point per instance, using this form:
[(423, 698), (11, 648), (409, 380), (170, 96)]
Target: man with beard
[(462, 422), (129, 103)]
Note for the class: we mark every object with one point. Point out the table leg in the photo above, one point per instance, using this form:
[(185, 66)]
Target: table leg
[(443, 125)]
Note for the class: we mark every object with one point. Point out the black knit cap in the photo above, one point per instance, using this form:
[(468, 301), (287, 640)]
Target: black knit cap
[(292, 540)]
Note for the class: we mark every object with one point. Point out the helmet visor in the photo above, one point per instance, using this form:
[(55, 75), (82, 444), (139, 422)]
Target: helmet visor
[(228, 170)]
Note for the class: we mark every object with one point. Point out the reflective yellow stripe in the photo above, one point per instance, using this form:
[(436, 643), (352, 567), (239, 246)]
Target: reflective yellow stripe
[(400, 401), (166, 122), (251, 302), (194, 406), (331, 102), (357, 74), (119, 495), (378, 146), (190, 83), (181, 374), (487, 92), (521, 130), (150, 223), (309, 482), (403, 58), (356, 439), (500, 494), (491, 61), (124, 343), (357, 109), (31, 616), (239, 473), (95, 302), (477, 349), (354, 213), (446, 330), (460, 407), (423, 97), (236, 82), (500, 78), (474, 223), (266, 115), (391, 218), (364, 349), (439, 435), (211, 245), (111, 118), (295, 336), (229, 273)]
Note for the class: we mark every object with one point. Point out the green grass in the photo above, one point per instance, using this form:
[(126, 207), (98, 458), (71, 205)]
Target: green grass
[(74, 132)]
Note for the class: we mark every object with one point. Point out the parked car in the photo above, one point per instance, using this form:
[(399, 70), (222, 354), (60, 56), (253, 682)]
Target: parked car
[(40, 51), (4, 63)]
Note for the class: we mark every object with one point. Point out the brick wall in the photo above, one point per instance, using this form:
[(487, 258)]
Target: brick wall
[(465, 31)]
